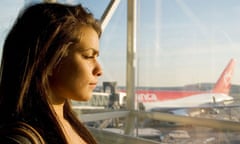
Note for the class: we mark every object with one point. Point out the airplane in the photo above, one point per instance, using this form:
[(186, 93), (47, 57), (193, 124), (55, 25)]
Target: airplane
[(176, 102)]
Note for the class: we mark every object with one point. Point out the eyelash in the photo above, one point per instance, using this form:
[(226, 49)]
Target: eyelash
[(89, 57)]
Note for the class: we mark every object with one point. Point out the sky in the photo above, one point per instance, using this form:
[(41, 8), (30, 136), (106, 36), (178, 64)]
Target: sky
[(179, 42)]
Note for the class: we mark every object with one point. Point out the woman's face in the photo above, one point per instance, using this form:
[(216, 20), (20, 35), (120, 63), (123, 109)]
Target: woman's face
[(77, 73)]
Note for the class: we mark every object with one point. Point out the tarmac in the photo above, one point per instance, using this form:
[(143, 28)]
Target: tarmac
[(182, 134)]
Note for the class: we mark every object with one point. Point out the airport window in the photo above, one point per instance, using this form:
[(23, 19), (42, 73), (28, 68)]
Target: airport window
[(185, 66)]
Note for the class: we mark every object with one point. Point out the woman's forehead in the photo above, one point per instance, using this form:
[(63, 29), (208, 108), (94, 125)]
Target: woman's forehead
[(86, 37)]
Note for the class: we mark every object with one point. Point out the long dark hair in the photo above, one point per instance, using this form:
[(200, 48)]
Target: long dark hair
[(34, 46)]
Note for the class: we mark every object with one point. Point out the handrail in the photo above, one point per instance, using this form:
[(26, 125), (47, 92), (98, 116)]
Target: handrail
[(196, 121)]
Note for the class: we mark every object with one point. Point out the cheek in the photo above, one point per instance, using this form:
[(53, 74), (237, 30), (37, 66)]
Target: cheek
[(71, 77), (64, 75), (66, 70)]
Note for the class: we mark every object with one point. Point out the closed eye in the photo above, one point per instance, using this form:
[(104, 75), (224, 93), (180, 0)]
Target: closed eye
[(89, 53), (89, 57)]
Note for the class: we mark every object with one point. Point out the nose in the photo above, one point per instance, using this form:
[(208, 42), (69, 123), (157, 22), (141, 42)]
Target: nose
[(98, 70)]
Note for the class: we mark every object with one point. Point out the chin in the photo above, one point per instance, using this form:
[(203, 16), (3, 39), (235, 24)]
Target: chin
[(85, 97)]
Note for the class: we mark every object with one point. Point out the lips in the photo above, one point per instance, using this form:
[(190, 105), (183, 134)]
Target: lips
[(93, 85)]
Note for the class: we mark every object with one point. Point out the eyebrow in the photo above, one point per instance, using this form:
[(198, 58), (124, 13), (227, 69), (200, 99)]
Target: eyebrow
[(81, 49), (95, 52)]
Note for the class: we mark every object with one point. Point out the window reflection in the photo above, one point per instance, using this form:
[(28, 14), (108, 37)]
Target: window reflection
[(183, 47)]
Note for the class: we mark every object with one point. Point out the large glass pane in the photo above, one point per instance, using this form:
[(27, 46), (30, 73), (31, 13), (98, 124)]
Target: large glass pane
[(183, 48), (187, 66)]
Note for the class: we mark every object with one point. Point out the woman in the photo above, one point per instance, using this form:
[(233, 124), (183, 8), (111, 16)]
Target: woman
[(49, 57)]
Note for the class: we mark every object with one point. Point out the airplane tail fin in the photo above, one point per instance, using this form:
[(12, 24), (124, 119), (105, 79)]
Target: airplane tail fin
[(223, 84)]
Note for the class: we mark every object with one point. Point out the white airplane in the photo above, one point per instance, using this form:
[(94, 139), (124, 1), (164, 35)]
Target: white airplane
[(177, 102)]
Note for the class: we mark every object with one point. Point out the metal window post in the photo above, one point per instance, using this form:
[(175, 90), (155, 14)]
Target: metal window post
[(131, 64)]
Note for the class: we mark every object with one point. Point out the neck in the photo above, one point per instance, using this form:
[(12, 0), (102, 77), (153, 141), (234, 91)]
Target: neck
[(57, 104), (59, 110)]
